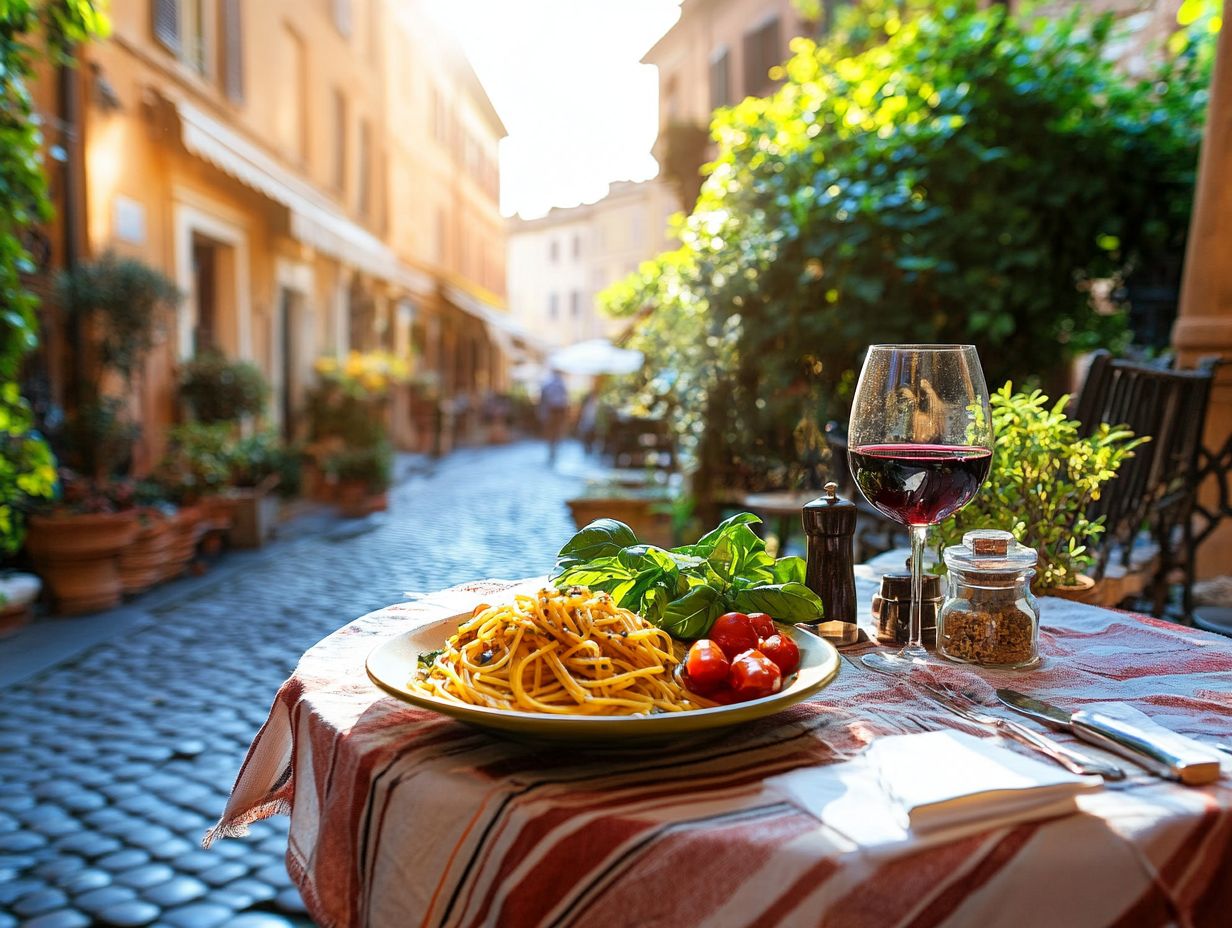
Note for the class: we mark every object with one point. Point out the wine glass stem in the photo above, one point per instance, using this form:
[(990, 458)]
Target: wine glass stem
[(915, 636)]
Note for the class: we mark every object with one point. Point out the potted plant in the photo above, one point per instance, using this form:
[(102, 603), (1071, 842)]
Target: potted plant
[(27, 476), (192, 473), (362, 476), (256, 463), (1043, 480), (216, 389), (76, 546), (647, 508), (143, 562)]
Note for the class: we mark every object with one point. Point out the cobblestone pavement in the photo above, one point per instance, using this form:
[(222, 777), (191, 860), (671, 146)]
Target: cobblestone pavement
[(114, 763)]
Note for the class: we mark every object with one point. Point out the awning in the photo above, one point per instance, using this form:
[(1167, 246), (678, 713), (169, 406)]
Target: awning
[(314, 220), (514, 338)]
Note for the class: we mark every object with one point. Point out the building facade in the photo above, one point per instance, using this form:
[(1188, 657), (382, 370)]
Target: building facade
[(245, 149), (560, 262)]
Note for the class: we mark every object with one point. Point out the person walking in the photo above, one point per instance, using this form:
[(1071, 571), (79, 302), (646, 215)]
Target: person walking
[(553, 406)]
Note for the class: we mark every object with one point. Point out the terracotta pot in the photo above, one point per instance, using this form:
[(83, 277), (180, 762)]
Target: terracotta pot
[(186, 529), (69, 536), (651, 527), (355, 500), (1086, 590), (143, 562), (219, 512), (78, 557)]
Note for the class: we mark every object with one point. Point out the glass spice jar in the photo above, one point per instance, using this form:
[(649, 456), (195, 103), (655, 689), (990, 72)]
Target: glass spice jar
[(892, 609), (990, 616)]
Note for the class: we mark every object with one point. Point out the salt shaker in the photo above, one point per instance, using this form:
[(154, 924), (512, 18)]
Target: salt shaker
[(830, 524)]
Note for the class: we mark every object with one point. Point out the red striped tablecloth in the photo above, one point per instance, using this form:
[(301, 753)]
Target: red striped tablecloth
[(400, 817)]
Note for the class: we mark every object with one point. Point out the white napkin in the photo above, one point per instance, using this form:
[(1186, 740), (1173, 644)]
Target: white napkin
[(938, 784)]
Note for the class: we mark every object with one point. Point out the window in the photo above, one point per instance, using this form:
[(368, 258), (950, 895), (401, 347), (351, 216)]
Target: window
[(720, 79), (178, 27), (340, 140), (291, 119), (577, 246), (575, 304), (761, 53), (554, 251), (231, 63), (553, 306), (364, 159)]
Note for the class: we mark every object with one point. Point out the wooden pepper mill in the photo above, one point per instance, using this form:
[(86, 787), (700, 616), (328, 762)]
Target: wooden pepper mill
[(830, 524)]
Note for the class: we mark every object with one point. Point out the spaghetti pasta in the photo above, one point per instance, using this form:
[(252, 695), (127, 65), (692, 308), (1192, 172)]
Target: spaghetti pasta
[(565, 652)]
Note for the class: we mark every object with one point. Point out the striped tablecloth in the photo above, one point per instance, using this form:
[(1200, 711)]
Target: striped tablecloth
[(400, 817)]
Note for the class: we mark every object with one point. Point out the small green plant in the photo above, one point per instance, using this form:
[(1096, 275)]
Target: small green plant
[(1043, 480), (372, 465), (197, 462), (257, 457), (217, 389)]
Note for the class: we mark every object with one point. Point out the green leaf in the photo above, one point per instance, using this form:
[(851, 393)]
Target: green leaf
[(601, 538), (691, 615), (789, 570), (706, 543), (786, 602)]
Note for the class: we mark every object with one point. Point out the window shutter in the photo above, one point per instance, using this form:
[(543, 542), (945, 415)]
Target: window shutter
[(166, 24), (233, 49)]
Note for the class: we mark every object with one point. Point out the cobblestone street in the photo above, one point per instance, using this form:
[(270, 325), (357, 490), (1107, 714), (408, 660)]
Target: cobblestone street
[(113, 763)]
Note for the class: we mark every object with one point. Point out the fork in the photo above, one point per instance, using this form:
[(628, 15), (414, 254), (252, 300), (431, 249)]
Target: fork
[(1071, 760)]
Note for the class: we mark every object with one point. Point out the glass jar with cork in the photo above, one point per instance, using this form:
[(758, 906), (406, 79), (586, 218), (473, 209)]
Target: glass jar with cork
[(990, 616)]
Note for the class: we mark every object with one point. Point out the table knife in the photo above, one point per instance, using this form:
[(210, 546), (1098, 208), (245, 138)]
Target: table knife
[(1163, 753)]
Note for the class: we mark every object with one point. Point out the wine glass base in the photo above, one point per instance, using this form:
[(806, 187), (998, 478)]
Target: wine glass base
[(902, 662)]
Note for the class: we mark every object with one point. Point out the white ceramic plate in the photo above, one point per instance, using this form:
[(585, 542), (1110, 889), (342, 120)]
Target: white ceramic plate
[(392, 664)]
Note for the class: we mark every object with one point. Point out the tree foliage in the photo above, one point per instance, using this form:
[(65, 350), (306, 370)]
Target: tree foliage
[(930, 172), (26, 466)]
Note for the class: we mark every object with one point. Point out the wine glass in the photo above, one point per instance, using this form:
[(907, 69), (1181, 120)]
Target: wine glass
[(919, 446)]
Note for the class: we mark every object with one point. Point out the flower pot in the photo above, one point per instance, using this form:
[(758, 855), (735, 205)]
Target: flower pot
[(187, 526), (649, 526), (355, 500), (254, 513), (1086, 590), (144, 561), (18, 591), (78, 557)]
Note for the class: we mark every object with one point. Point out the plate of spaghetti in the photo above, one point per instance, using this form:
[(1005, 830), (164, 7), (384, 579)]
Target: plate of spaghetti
[(570, 665)]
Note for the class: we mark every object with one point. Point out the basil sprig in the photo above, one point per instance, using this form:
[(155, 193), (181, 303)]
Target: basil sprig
[(683, 590)]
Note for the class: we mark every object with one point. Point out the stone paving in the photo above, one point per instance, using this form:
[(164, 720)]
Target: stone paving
[(113, 763)]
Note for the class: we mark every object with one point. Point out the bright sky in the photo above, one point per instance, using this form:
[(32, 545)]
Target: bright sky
[(565, 76)]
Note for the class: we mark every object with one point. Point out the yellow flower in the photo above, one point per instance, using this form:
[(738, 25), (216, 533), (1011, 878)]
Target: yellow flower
[(326, 365)]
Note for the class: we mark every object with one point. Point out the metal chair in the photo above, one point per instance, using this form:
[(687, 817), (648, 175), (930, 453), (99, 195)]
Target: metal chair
[(1156, 489)]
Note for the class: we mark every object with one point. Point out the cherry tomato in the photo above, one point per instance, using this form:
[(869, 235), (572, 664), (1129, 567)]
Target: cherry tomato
[(706, 666), (754, 675), (783, 651), (734, 634), (762, 624)]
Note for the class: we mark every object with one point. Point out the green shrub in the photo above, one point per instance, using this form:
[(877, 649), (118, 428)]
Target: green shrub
[(932, 172), (373, 465), (1044, 478), (219, 390)]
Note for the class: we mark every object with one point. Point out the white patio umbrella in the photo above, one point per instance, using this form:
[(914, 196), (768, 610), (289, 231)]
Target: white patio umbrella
[(596, 356)]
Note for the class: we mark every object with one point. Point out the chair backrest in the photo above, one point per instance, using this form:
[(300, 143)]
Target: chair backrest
[(1159, 482)]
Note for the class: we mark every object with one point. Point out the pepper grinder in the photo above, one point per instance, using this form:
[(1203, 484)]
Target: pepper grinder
[(830, 524)]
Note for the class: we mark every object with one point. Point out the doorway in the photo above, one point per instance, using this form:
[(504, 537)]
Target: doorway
[(290, 314), (205, 269)]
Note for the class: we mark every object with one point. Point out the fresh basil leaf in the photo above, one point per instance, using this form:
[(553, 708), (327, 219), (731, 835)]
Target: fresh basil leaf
[(789, 570), (691, 615), (787, 602), (706, 543), (601, 538), (737, 552), (631, 594), (604, 573)]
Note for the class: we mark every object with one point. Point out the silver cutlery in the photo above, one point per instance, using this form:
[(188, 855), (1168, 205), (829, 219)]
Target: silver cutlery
[(1071, 760), (1163, 753)]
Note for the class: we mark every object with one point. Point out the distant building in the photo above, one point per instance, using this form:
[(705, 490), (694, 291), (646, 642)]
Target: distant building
[(316, 177), (717, 53), (560, 262)]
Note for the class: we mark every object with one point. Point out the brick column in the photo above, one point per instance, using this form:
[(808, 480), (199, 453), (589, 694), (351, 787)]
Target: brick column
[(1204, 326)]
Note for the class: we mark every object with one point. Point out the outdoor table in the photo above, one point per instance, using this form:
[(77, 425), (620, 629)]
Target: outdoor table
[(400, 816)]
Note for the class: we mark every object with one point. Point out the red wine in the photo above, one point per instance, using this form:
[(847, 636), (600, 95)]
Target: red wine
[(919, 484)]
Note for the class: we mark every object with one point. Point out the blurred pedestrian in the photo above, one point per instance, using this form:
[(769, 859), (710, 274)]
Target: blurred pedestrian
[(553, 408)]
